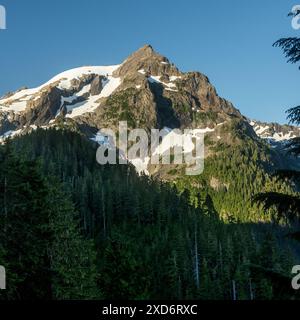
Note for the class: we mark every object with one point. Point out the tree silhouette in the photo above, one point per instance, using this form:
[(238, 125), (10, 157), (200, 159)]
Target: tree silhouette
[(287, 205)]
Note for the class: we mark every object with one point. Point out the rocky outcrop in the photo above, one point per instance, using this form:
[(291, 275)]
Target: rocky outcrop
[(42, 109), (147, 61), (96, 85), (146, 90)]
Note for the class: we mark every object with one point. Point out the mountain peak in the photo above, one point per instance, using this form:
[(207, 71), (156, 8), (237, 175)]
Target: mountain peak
[(148, 60), (147, 49), (144, 52)]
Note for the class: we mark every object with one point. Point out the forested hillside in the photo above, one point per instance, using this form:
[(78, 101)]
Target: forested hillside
[(72, 229)]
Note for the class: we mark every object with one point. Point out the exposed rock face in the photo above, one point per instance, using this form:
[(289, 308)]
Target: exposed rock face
[(42, 109), (96, 85), (137, 107), (149, 61), (146, 90)]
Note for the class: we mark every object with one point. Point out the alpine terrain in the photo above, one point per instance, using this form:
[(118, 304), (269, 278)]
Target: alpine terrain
[(139, 231)]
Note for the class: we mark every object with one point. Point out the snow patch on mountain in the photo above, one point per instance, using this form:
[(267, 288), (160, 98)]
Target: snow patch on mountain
[(89, 105), (65, 78), (64, 81), (259, 129), (171, 86), (75, 96), (9, 134), (275, 133), (168, 86)]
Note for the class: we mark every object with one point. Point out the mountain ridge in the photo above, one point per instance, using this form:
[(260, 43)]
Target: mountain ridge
[(146, 90)]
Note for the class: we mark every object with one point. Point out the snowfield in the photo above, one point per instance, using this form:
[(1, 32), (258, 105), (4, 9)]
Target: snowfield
[(18, 102), (263, 131)]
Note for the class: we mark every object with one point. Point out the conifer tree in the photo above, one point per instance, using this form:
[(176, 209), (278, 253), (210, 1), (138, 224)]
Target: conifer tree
[(45, 254), (287, 205)]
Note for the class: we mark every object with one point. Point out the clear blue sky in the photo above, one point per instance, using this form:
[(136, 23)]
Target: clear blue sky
[(230, 41)]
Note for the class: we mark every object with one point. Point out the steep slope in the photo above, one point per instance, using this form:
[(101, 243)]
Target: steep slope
[(134, 222), (158, 93), (148, 91), (71, 93)]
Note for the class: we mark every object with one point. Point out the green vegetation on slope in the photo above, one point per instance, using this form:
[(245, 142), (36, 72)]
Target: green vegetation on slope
[(149, 241)]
